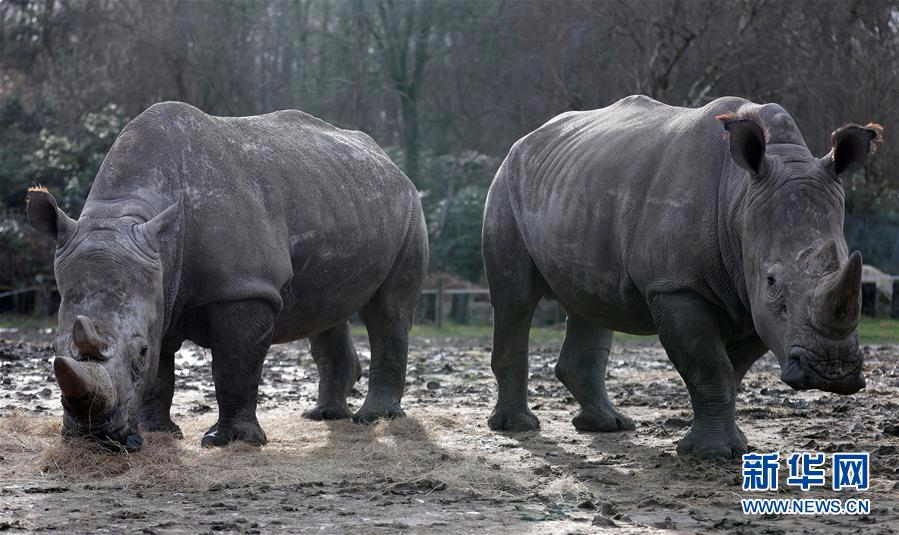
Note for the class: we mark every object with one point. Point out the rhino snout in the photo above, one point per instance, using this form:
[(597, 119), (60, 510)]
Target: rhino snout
[(805, 370), (91, 405), (111, 431)]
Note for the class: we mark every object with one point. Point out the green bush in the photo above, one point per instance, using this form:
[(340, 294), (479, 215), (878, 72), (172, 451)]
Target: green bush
[(23, 254), (65, 162), (453, 190)]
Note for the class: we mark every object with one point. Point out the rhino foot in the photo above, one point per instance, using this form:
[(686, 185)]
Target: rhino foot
[(602, 420), (153, 426), (708, 444), (244, 431), (514, 421), (369, 414), (331, 411)]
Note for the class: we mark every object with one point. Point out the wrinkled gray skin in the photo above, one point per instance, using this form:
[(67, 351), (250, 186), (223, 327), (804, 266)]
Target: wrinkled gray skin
[(234, 233), (645, 218)]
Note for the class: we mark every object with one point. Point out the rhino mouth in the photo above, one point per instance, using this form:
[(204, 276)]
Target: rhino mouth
[(806, 369), (112, 430)]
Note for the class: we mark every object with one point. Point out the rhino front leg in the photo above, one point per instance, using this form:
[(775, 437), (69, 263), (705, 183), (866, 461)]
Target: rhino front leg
[(743, 354), (155, 413), (338, 370), (240, 334), (582, 369), (690, 329)]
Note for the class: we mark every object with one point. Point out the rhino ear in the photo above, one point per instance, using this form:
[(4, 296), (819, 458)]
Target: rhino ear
[(45, 216), (850, 147), (747, 142), (166, 223)]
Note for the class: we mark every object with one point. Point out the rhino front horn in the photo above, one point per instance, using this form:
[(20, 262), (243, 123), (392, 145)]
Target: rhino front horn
[(838, 297), (87, 389)]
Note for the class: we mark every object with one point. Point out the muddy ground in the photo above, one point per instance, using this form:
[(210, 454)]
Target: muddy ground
[(441, 469)]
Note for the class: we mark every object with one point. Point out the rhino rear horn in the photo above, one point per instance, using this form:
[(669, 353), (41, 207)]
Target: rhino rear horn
[(86, 387), (86, 339), (838, 297)]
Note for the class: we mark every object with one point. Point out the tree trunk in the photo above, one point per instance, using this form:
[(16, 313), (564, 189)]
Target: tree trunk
[(411, 141)]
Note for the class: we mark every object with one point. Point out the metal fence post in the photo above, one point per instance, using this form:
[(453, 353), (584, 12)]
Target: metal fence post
[(438, 313), (894, 305), (869, 299)]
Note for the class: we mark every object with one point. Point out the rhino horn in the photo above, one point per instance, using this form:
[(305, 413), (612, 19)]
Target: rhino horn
[(85, 337), (838, 297), (86, 386)]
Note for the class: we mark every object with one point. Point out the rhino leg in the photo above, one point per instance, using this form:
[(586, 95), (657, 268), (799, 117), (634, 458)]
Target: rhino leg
[(388, 317), (155, 413), (691, 332), (743, 354), (515, 289), (509, 362), (582, 369), (240, 333), (338, 370)]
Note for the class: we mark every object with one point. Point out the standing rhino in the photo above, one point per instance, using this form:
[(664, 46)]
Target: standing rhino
[(234, 233), (714, 227)]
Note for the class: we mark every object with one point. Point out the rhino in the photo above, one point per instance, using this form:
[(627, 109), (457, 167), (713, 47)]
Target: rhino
[(234, 233), (713, 227)]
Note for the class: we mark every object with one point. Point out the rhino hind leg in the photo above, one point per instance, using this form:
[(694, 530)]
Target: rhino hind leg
[(690, 330), (509, 362), (516, 286), (388, 317), (155, 413), (240, 334), (338, 370), (582, 369)]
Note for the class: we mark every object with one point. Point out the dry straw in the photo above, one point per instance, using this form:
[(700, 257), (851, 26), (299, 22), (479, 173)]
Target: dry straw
[(427, 453)]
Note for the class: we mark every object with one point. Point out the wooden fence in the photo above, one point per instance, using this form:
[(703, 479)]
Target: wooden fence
[(432, 301)]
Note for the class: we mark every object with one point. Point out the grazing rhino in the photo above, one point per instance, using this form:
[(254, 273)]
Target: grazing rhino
[(714, 227), (234, 233)]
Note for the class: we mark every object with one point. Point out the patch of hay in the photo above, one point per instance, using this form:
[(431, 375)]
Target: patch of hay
[(158, 462), (419, 453), (565, 490)]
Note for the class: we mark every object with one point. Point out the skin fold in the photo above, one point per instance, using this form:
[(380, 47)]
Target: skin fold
[(234, 233), (714, 227)]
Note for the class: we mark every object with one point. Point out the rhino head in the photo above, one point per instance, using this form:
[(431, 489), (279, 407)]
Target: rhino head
[(803, 287), (110, 278)]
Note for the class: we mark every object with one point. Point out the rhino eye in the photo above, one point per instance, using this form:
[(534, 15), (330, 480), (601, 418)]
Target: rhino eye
[(774, 285), (138, 364)]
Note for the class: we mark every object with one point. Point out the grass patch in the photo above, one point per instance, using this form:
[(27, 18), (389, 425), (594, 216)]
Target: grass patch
[(549, 335), (870, 330), (878, 331), (26, 323)]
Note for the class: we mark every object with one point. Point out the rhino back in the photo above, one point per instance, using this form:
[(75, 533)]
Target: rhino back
[(620, 203), (270, 199)]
